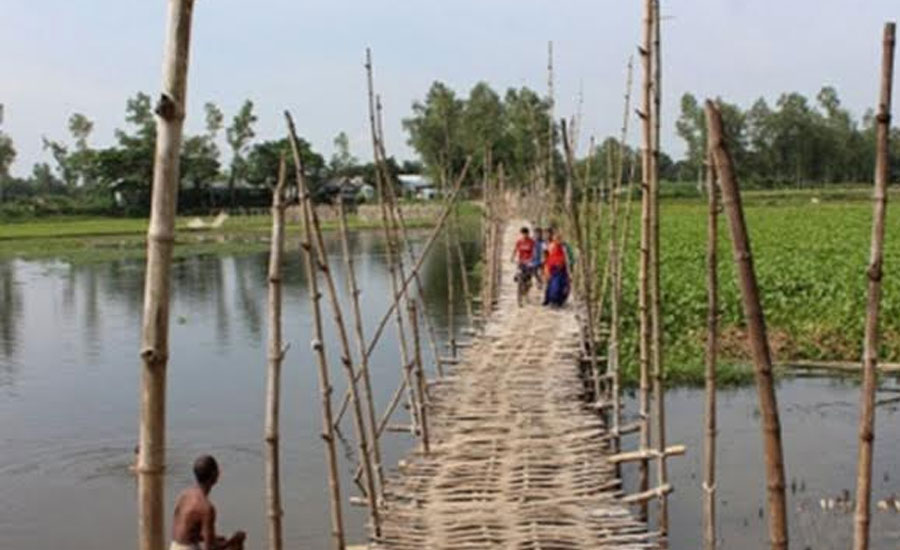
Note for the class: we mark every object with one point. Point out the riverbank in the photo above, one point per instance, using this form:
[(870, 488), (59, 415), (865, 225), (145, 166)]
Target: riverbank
[(77, 239)]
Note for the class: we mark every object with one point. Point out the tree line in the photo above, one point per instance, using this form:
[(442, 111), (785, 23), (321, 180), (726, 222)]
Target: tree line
[(83, 179), (795, 142)]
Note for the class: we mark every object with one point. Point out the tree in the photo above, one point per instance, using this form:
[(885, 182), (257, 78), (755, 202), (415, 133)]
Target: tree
[(262, 163), (7, 156), (342, 161), (483, 125), (434, 130), (238, 136), (80, 127)]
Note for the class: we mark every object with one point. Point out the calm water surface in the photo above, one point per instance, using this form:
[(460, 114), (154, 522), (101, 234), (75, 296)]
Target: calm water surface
[(69, 389)]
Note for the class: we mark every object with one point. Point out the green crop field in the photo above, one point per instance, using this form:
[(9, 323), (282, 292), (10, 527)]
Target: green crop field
[(810, 260)]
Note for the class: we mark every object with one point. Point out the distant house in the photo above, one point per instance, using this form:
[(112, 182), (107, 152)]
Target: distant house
[(351, 190), (417, 186)]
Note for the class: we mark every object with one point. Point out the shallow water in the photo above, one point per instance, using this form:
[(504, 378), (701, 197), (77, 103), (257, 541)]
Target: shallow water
[(69, 387), (819, 426)]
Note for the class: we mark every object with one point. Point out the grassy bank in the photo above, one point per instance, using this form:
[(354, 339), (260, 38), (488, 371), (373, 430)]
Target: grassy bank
[(810, 258), (98, 239)]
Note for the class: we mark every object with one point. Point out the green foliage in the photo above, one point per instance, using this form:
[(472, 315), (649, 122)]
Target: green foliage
[(798, 142), (263, 158), (810, 260), (342, 161), (512, 131)]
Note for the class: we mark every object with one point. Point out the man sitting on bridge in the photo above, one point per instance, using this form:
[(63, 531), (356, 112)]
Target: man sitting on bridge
[(194, 527)]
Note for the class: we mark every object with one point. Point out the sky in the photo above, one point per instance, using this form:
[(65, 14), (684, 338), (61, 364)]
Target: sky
[(89, 56)]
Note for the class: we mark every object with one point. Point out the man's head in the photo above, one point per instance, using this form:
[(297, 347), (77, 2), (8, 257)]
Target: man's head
[(524, 231), (206, 470)]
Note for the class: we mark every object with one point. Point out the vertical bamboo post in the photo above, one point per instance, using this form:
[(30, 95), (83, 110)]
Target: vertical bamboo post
[(646, 236), (160, 240), (585, 270), (655, 290), (550, 107), (397, 294), (353, 290), (463, 270), (874, 274), (420, 374), (756, 328), (712, 343), (400, 223), (448, 255), (318, 346), (346, 355), (614, 261), (275, 357)]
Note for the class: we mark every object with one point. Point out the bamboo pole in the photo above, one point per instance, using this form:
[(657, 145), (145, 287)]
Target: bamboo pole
[(420, 374), (756, 327), (318, 346), (416, 270), (435, 233), (550, 108), (353, 290), (646, 235), (655, 290), (463, 270), (585, 270), (400, 223), (448, 258), (160, 240), (614, 261), (359, 422), (874, 274), (712, 343), (397, 294), (275, 357)]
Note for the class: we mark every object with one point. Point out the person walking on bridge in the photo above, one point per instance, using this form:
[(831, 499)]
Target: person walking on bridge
[(556, 271)]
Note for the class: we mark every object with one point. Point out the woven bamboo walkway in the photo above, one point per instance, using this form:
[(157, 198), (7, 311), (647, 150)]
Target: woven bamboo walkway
[(517, 457)]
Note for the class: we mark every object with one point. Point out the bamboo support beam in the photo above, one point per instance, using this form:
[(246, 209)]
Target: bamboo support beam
[(712, 343), (318, 346), (645, 454), (359, 422), (616, 265), (426, 248), (275, 356), (644, 496), (646, 236), (756, 327), (656, 329), (363, 371), (874, 274), (154, 352), (585, 268), (399, 221), (420, 375)]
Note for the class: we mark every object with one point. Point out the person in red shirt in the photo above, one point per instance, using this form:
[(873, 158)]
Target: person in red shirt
[(523, 255)]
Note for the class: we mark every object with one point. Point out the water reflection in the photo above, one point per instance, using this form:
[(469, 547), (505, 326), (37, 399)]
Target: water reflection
[(11, 312), (69, 335)]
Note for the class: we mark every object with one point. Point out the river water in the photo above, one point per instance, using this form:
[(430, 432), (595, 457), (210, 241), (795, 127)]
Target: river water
[(69, 335)]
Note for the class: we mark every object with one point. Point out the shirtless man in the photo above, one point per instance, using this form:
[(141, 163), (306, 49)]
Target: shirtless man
[(194, 527)]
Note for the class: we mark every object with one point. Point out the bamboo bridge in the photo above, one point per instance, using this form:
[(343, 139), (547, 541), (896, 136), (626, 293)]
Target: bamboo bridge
[(518, 458)]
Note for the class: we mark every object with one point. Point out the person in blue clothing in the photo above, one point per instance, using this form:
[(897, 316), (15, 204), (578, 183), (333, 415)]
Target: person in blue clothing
[(537, 259)]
